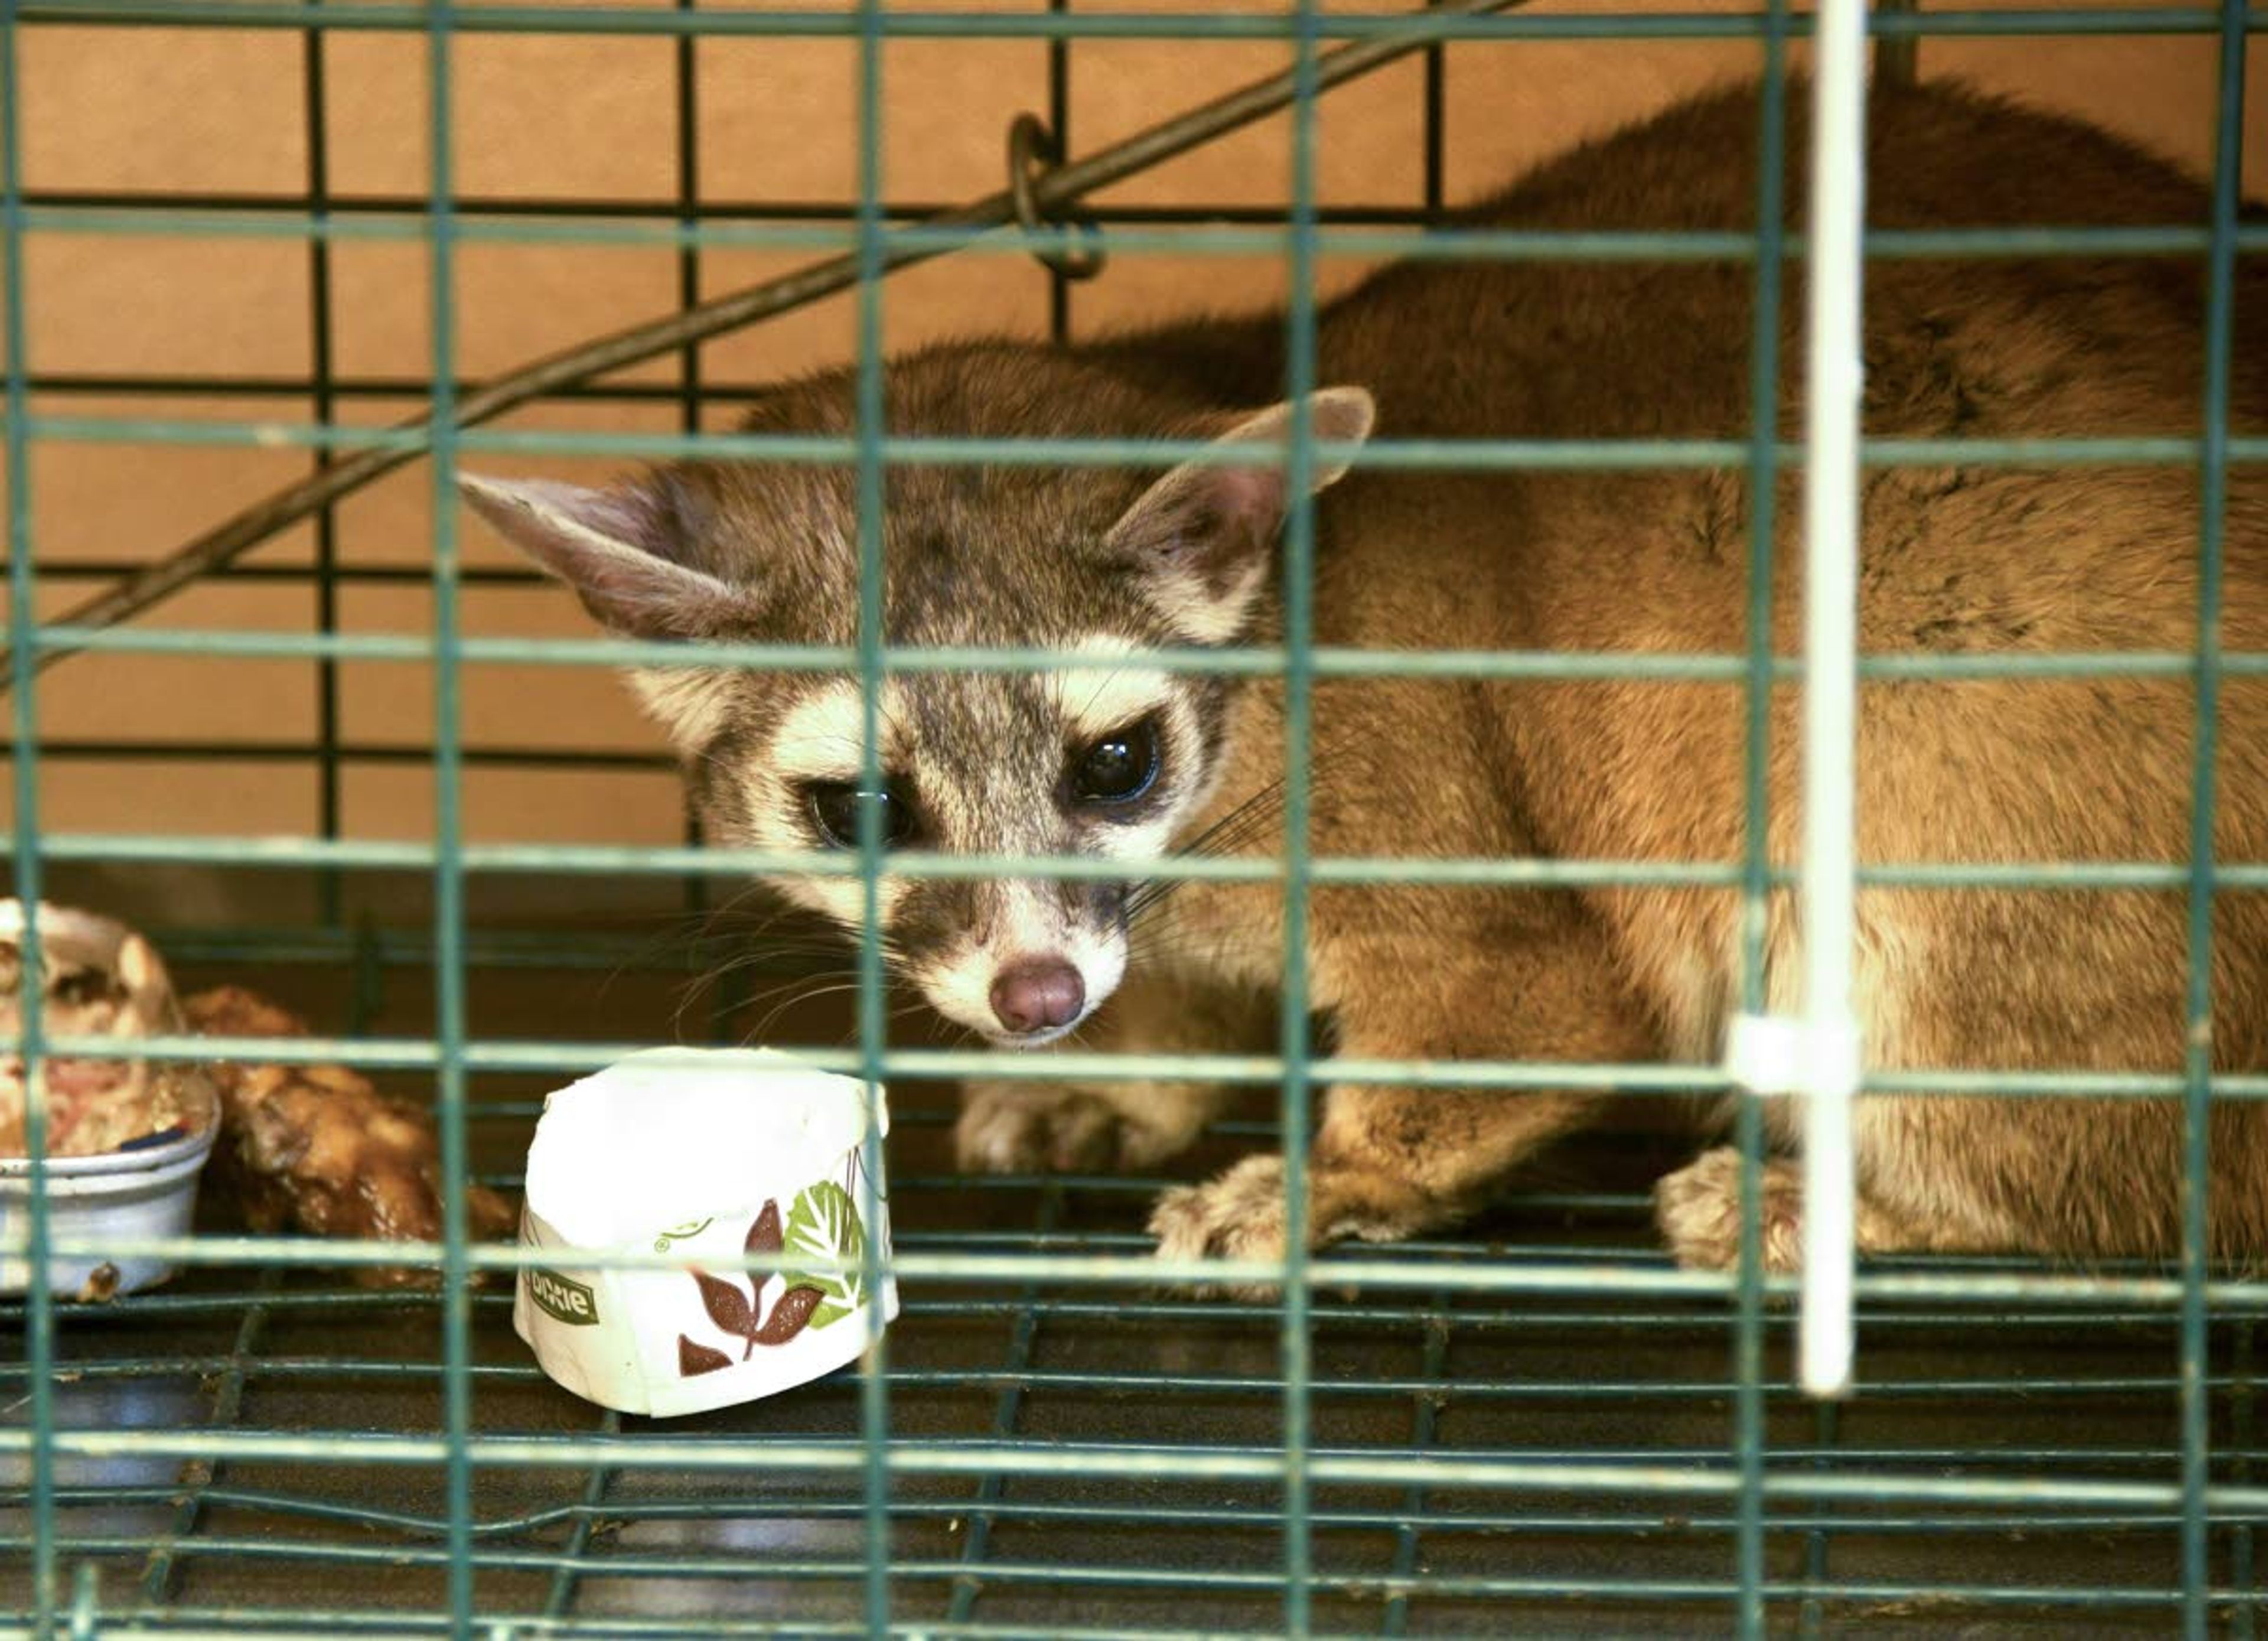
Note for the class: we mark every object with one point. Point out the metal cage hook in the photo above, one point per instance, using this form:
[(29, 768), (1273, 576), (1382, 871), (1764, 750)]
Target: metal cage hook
[(1032, 148)]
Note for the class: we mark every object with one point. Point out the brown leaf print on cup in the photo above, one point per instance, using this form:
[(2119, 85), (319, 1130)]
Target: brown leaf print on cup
[(694, 1358), (726, 1305), (765, 1235), (790, 1317), (734, 1311)]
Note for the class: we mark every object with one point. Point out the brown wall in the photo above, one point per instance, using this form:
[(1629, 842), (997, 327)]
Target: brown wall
[(220, 111)]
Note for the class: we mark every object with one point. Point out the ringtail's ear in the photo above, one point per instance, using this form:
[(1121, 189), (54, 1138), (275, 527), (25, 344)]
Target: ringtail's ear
[(1203, 535), (623, 550)]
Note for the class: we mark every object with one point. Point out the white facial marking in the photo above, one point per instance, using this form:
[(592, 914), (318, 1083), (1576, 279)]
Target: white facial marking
[(1199, 615), (1028, 922), (823, 734), (819, 739), (690, 704), (1094, 701)]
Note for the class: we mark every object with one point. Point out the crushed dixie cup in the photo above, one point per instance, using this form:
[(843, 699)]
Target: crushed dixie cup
[(689, 1153)]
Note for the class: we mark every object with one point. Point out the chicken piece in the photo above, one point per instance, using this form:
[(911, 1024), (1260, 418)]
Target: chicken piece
[(316, 1148)]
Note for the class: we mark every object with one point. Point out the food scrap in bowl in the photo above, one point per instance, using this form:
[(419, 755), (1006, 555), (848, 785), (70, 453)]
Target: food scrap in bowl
[(98, 979)]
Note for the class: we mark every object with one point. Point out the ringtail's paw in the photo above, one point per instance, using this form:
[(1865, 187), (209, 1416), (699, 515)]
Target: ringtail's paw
[(1239, 1215), (1699, 1208), (1023, 1127), (1029, 1128)]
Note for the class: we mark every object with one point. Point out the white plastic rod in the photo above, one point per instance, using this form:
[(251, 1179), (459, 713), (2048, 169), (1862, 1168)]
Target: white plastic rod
[(1834, 376)]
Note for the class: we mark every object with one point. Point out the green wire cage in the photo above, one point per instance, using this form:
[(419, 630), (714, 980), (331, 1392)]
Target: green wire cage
[(1538, 1426)]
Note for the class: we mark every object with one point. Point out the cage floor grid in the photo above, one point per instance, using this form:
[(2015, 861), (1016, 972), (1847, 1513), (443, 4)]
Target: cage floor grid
[(2043, 1396)]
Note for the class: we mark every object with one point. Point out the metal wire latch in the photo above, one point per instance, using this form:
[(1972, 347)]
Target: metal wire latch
[(1032, 148)]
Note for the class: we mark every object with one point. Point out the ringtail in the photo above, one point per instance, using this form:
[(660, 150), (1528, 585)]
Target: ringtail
[(1133, 762)]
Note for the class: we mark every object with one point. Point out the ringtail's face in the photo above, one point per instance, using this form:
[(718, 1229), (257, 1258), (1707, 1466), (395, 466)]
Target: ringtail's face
[(1108, 762)]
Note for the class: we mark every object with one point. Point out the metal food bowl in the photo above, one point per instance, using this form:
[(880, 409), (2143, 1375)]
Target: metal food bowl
[(146, 1187)]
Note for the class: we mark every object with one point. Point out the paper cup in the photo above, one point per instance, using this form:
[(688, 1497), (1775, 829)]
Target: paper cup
[(716, 1155)]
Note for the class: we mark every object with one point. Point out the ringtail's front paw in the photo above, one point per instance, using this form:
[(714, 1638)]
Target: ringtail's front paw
[(1699, 1208), (1031, 1128), (1239, 1215), (1012, 1128)]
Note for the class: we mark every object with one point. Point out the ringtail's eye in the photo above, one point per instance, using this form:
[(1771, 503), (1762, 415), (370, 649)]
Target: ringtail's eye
[(834, 806), (1118, 768)]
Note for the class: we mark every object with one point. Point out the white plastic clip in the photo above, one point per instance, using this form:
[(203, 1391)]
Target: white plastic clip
[(1820, 1060), (1764, 1054), (1779, 1054)]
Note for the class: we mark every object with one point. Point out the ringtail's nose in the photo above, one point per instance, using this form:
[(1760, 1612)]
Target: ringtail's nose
[(1037, 994)]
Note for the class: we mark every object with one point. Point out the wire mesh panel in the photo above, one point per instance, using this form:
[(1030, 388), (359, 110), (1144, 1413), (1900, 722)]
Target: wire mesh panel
[(341, 750)]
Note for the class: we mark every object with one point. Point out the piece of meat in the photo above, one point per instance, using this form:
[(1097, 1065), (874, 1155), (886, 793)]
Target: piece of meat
[(95, 1106), (318, 1149)]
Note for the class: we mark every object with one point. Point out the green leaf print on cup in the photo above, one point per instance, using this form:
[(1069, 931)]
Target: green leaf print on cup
[(824, 1224)]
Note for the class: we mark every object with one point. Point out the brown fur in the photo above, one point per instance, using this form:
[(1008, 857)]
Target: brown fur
[(1954, 559), (1969, 559)]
